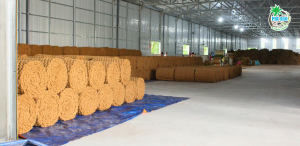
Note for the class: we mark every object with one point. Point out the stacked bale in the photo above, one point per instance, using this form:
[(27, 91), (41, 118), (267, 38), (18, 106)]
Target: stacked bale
[(68, 101), (22, 56), (87, 51), (35, 49), (32, 77), (48, 108), (106, 96), (70, 51), (47, 49), (96, 74), (140, 83), (123, 52), (186, 74), (77, 74), (205, 74), (100, 52), (108, 51), (88, 101), (114, 52), (27, 113), (165, 74), (24, 49), (130, 92), (125, 69), (113, 71), (118, 94), (56, 50)]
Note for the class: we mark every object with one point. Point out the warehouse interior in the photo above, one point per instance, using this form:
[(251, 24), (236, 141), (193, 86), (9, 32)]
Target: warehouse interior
[(149, 72)]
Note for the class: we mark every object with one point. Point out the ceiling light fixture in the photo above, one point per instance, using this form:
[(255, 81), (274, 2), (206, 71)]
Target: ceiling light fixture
[(236, 26), (242, 29), (220, 19)]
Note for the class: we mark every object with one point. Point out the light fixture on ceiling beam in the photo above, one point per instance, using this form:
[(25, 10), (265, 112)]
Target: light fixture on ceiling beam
[(220, 19), (236, 26), (242, 29)]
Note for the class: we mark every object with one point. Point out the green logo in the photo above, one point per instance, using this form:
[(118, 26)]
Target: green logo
[(279, 19)]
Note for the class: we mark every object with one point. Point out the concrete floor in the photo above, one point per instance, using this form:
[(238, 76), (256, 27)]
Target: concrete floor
[(260, 108)]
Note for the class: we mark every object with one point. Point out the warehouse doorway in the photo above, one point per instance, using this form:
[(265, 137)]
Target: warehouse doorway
[(186, 50), (155, 47), (205, 50)]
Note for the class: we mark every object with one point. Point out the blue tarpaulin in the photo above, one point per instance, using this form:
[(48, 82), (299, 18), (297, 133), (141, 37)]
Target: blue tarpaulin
[(64, 131), (22, 143)]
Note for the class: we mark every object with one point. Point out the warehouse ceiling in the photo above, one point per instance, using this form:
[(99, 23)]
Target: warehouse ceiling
[(251, 15)]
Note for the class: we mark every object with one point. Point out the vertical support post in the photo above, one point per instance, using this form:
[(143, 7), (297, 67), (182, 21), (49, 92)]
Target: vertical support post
[(140, 29), (192, 45), (19, 22), (8, 72), (49, 23), (27, 21), (117, 29), (95, 23), (163, 36), (74, 22)]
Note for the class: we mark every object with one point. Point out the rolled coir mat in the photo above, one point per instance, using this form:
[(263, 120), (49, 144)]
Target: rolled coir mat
[(140, 83), (24, 49), (56, 50), (47, 49), (77, 73), (35, 49), (205, 74), (119, 94), (27, 113), (32, 77), (165, 73), (185, 74), (48, 109), (96, 74), (88, 101), (130, 92), (125, 69), (106, 97), (68, 100)]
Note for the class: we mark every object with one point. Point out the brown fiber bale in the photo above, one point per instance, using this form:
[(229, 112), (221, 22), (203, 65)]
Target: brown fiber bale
[(140, 83), (70, 51), (77, 73), (80, 57), (22, 56), (24, 49), (140, 63), (154, 64), (57, 76), (68, 101), (27, 113), (96, 74), (106, 97), (125, 69), (241, 70), (165, 74), (133, 62), (205, 74), (115, 52), (122, 52), (220, 73), (130, 92), (150, 74), (130, 52), (47, 49), (185, 74), (35, 49), (113, 71), (87, 51), (200, 60), (108, 51), (100, 52), (88, 101), (56, 50), (48, 108), (119, 94), (32, 77)]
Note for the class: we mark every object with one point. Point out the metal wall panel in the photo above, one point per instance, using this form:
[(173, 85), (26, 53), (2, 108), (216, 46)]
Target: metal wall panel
[(61, 40), (172, 35), (212, 41), (61, 11), (155, 25), (39, 7), (185, 32), (65, 2), (38, 38), (85, 4), (195, 38)]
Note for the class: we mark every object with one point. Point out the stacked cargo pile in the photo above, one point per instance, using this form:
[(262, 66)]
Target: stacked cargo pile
[(275, 56), (31, 50), (209, 74), (59, 87)]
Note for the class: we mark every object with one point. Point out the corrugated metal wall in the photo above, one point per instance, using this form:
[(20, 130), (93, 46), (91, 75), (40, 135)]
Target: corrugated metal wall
[(93, 23)]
